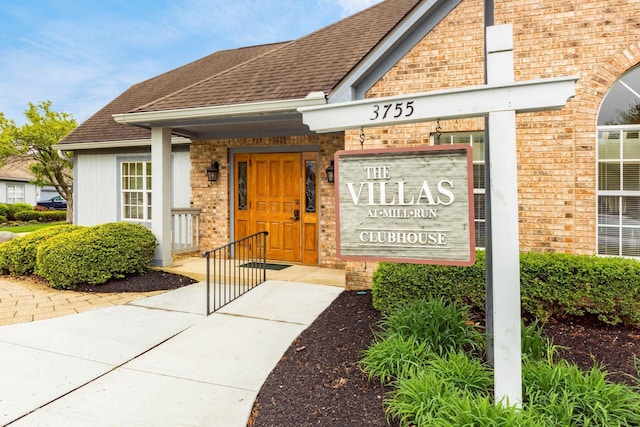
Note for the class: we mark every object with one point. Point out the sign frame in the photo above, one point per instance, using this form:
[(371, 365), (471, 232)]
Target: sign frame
[(418, 150)]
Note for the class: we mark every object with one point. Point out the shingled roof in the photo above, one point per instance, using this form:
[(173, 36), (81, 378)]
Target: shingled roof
[(16, 169), (314, 63), (317, 62), (102, 127)]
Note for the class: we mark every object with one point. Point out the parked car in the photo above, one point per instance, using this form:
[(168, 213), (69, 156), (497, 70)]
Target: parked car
[(57, 203)]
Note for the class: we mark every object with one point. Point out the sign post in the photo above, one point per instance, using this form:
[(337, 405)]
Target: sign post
[(499, 100)]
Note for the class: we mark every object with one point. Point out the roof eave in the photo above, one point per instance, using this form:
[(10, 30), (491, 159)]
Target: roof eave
[(181, 116), (175, 140), (413, 28)]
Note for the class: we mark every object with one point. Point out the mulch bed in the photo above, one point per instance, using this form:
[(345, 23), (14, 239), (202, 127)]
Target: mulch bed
[(152, 280), (318, 382)]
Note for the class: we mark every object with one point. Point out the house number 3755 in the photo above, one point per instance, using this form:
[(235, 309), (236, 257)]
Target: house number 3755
[(397, 110)]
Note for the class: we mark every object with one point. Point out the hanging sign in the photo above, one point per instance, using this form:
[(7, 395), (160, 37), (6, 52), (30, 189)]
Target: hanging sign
[(410, 204)]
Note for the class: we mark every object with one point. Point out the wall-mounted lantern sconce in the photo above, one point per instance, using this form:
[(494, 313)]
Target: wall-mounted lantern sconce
[(330, 172), (213, 171)]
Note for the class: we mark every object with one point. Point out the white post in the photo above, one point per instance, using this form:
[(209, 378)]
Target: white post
[(161, 194), (503, 274)]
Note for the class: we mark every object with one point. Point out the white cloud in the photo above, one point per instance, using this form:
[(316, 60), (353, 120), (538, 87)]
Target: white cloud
[(80, 56)]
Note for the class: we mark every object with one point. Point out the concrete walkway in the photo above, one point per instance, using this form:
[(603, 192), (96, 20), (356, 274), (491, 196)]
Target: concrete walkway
[(155, 361)]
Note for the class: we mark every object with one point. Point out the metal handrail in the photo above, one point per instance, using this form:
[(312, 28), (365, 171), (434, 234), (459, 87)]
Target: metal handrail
[(238, 267)]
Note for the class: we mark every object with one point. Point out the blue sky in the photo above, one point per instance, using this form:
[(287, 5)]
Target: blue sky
[(81, 54)]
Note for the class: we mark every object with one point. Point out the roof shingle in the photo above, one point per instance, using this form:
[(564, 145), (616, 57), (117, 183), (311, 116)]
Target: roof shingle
[(289, 70), (102, 127), (316, 62)]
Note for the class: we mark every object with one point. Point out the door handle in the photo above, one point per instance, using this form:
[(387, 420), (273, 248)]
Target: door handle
[(296, 215)]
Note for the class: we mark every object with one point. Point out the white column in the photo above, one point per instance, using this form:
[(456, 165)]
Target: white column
[(503, 272), (161, 194)]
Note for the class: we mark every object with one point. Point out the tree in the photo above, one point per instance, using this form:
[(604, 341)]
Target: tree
[(631, 115), (33, 143)]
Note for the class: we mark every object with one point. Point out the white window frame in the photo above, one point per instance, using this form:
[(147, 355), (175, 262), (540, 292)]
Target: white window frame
[(627, 226), (135, 190), (16, 193), (467, 137)]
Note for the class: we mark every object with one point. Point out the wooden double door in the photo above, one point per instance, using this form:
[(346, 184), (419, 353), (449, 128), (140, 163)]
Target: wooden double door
[(278, 193)]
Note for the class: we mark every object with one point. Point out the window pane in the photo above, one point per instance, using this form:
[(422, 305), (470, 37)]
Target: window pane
[(608, 176), (478, 176), (630, 241), (608, 241), (631, 145), (478, 150), (631, 176), (461, 138), (478, 206), (631, 211), (609, 145), (620, 105), (480, 217), (310, 186), (242, 186), (607, 206), (480, 234)]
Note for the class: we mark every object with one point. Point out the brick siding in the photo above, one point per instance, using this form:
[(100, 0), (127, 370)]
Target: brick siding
[(597, 40), (213, 198)]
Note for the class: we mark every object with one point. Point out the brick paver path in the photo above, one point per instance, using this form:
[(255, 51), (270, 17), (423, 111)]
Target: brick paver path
[(23, 300)]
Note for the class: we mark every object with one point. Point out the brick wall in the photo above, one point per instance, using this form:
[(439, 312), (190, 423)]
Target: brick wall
[(213, 198), (599, 40)]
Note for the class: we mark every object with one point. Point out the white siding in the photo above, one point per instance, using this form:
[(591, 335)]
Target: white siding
[(30, 191), (181, 180), (97, 189)]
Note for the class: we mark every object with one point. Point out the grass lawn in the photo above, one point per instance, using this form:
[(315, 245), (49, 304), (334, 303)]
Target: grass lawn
[(30, 227)]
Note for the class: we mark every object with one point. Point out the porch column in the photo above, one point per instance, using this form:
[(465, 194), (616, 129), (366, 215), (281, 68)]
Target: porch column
[(161, 178)]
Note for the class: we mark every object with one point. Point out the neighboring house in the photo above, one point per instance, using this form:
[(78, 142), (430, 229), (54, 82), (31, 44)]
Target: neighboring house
[(147, 152), (15, 184)]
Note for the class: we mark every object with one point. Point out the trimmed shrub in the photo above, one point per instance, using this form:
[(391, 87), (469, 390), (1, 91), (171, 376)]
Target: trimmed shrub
[(3, 218), (14, 208), (53, 216), (398, 284), (28, 216), (4, 209), (18, 256), (41, 216), (96, 254), (552, 284)]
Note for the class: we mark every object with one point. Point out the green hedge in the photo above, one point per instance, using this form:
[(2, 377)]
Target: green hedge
[(18, 256), (551, 285), (41, 216), (95, 254), (13, 209), (398, 284), (4, 209)]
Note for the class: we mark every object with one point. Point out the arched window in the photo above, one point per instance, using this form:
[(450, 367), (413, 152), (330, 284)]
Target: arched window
[(619, 168)]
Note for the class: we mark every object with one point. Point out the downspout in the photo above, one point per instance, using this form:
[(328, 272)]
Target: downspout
[(63, 156)]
